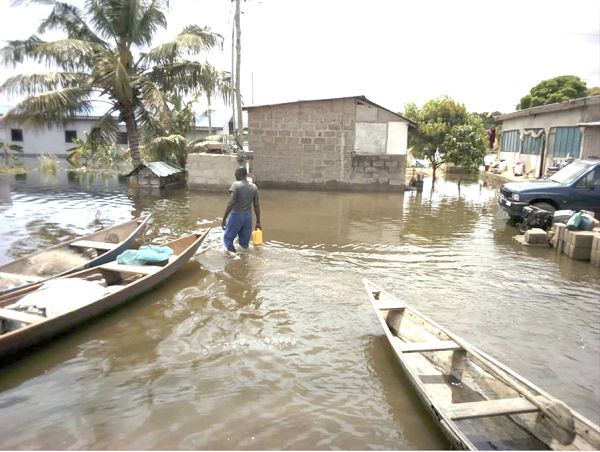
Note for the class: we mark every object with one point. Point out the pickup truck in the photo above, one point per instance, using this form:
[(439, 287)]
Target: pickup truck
[(574, 187)]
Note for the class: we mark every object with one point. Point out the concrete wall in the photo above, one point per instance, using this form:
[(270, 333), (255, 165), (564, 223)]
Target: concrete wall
[(313, 144), (211, 172), (48, 140), (548, 117)]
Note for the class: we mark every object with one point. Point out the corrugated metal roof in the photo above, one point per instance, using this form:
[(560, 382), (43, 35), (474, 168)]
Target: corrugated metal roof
[(550, 108), (358, 98), (163, 169), (219, 119)]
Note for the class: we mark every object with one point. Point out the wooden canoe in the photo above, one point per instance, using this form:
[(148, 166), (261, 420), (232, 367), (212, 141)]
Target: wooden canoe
[(72, 299), (68, 257), (478, 402)]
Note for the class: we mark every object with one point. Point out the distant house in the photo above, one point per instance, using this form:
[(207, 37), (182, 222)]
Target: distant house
[(346, 143), (57, 140), (220, 122), (542, 137), (51, 140)]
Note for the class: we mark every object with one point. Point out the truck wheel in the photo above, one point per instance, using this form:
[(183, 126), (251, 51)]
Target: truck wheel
[(545, 206)]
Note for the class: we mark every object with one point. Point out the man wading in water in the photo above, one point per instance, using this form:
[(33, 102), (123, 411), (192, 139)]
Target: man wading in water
[(244, 194)]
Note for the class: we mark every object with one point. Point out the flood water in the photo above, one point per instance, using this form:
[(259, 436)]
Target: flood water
[(279, 348)]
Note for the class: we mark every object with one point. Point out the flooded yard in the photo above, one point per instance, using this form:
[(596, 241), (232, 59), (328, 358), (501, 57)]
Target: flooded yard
[(279, 348)]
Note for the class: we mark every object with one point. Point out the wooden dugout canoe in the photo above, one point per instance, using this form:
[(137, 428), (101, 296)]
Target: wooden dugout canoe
[(478, 402), (94, 249), (119, 283)]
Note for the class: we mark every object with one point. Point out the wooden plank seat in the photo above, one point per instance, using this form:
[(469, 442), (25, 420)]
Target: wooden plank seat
[(485, 408), (143, 269), (94, 244), (19, 316), (29, 278), (429, 346), (389, 305)]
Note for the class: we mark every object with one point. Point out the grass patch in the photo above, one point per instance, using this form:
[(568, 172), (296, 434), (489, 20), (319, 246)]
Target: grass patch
[(13, 169)]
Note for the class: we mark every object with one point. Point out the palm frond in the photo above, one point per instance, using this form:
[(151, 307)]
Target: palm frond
[(128, 21), (152, 97), (28, 2), (34, 84), (51, 108), (169, 141), (105, 131), (191, 77), (69, 18), (193, 40), (150, 21), (149, 126), (17, 51), (69, 54)]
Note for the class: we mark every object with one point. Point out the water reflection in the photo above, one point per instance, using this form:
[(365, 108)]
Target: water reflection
[(284, 334)]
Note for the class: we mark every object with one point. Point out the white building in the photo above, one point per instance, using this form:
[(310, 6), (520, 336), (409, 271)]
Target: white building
[(540, 137), (57, 140)]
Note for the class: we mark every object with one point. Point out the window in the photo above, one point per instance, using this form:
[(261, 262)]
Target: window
[(533, 141), (121, 137), (567, 142), (16, 134), (70, 135), (509, 141), (591, 179)]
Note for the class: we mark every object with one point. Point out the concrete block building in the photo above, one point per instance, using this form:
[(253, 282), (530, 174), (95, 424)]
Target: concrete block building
[(543, 136), (343, 143)]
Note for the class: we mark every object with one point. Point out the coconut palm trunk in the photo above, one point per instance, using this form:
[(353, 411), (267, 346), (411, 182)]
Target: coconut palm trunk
[(132, 134)]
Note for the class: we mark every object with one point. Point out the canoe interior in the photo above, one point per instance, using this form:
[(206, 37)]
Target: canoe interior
[(70, 256), (100, 288), (477, 401)]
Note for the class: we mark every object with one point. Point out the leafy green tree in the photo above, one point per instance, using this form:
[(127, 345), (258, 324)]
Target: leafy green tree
[(551, 91), (488, 120), (465, 145), (446, 133), (105, 55)]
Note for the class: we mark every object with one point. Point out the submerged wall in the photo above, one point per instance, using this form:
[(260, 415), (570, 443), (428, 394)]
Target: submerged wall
[(212, 172)]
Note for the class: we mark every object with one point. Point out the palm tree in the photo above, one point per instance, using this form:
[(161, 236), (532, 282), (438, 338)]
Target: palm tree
[(105, 56)]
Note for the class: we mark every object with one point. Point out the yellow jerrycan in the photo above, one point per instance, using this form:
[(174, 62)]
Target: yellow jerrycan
[(257, 236)]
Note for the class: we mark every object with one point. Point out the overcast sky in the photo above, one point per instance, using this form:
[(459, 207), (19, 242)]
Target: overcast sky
[(486, 55)]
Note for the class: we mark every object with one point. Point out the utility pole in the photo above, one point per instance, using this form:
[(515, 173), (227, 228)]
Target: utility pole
[(239, 132)]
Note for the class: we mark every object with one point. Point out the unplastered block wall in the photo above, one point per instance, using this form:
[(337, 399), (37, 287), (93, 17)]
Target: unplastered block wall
[(211, 171), (304, 142), (380, 172)]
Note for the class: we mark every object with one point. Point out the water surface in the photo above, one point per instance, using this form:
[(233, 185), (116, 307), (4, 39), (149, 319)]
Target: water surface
[(279, 348)]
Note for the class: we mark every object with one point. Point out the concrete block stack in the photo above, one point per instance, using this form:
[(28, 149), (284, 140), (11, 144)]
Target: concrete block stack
[(595, 254), (578, 244), (558, 234), (536, 236)]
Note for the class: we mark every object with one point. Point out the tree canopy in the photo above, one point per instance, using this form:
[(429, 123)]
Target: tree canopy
[(557, 89), (105, 55), (447, 133)]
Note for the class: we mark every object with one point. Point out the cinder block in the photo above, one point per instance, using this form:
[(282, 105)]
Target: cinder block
[(536, 236), (596, 242), (595, 257), (580, 239), (579, 254)]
